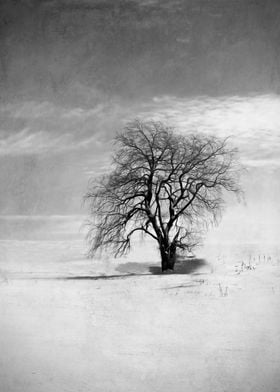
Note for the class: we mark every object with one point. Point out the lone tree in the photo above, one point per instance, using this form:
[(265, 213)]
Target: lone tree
[(166, 185)]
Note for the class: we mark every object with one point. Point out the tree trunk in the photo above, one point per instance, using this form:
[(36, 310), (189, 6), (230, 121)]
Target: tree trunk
[(168, 257)]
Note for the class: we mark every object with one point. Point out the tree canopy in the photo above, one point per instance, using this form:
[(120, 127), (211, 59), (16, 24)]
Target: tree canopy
[(167, 185)]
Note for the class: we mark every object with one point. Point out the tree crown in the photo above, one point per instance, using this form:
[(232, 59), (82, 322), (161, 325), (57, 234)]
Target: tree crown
[(166, 185)]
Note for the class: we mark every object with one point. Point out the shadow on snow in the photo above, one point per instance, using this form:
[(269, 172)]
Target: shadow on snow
[(183, 266)]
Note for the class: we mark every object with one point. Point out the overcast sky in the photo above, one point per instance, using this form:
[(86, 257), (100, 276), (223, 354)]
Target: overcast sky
[(72, 72)]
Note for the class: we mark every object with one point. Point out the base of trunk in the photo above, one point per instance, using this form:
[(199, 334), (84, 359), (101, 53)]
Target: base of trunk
[(167, 267), (167, 261), (168, 271)]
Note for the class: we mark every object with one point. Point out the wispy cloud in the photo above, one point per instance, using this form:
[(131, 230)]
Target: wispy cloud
[(26, 142), (36, 127), (253, 122)]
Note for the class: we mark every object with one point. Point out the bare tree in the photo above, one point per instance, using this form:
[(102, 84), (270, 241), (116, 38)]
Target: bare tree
[(166, 185)]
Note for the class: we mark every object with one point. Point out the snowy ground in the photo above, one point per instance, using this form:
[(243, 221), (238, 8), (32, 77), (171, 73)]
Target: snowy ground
[(68, 324)]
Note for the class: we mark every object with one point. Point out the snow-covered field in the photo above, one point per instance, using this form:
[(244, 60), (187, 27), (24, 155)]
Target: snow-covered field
[(70, 324)]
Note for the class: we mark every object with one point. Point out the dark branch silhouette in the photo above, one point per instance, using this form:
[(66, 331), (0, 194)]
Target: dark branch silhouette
[(166, 185)]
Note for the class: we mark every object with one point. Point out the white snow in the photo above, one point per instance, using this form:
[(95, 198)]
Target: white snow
[(214, 329)]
